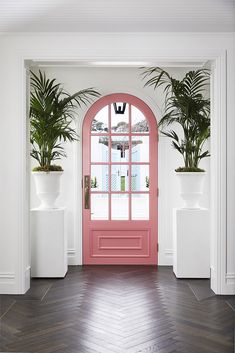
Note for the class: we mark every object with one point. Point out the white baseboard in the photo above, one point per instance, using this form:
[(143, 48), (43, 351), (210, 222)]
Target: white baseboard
[(230, 284), (7, 283), (169, 252), (230, 278), (227, 285), (165, 257), (72, 257)]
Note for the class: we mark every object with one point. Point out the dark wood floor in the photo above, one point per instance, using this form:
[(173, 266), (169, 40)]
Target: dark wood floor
[(117, 309)]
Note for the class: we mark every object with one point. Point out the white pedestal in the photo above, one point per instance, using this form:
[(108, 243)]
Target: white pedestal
[(48, 243), (191, 243)]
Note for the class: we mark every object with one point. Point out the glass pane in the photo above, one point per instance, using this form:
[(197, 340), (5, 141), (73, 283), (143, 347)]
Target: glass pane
[(140, 149), (100, 121), (120, 122), (99, 178), (120, 149), (120, 178), (99, 206), (120, 206), (140, 206), (138, 121), (99, 149), (140, 177)]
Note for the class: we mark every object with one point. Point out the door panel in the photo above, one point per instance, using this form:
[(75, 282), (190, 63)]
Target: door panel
[(120, 162), (116, 244)]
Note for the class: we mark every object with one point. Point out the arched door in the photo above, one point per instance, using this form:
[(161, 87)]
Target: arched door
[(120, 182)]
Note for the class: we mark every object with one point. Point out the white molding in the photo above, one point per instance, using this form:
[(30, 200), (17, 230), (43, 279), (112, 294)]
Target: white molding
[(78, 190), (72, 257), (23, 258), (117, 34), (229, 287), (230, 278), (26, 279), (165, 257), (219, 175), (7, 276), (8, 283), (169, 252)]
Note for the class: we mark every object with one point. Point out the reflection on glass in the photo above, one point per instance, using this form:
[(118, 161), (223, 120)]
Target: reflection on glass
[(99, 149), (120, 149), (100, 121), (140, 149), (120, 122), (140, 177), (138, 121), (99, 207), (120, 206), (120, 178), (139, 206), (99, 178)]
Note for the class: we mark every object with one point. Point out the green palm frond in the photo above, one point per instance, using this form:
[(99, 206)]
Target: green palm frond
[(186, 104), (51, 114)]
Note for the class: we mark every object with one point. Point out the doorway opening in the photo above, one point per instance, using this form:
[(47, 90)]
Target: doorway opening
[(218, 185)]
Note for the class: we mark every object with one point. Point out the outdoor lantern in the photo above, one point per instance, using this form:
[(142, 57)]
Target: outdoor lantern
[(121, 148), (120, 108)]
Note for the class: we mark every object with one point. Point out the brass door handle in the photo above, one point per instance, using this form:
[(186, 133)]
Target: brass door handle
[(87, 191)]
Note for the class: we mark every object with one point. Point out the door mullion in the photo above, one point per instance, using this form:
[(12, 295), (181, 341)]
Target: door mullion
[(130, 161), (110, 167)]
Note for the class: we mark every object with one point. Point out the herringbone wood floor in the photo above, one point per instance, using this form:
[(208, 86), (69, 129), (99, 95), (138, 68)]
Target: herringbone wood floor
[(117, 309)]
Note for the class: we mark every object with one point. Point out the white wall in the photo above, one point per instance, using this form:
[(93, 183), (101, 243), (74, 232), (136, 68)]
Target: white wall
[(106, 81), (14, 237)]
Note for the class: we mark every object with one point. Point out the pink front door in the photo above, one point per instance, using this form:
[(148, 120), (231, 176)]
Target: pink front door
[(120, 182)]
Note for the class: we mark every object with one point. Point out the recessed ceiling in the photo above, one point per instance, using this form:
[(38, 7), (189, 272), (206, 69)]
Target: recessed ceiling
[(74, 63), (117, 16)]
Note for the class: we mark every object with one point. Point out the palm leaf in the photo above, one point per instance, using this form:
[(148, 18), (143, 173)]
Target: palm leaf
[(185, 104), (51, 113)]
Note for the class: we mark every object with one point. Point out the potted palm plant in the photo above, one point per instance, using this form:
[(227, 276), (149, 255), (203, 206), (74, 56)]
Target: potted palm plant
[(51, 114), (186, 105)]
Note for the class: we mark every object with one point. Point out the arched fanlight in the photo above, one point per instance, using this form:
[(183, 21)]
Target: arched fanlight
[(119, 108)]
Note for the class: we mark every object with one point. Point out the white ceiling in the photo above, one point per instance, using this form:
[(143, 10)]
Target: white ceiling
[(117, 15)]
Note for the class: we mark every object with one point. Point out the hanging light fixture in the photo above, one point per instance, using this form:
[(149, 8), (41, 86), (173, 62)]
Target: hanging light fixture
[(120, 108)]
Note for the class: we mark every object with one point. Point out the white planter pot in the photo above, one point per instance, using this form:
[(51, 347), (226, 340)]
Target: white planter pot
[(47, 188), (191, 185)]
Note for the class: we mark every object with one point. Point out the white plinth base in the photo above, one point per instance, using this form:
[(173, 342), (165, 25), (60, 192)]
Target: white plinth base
[(48, 243), (191, 243)]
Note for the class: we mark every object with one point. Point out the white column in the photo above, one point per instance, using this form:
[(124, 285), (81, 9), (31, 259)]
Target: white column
[(191, 243), (48, 243)]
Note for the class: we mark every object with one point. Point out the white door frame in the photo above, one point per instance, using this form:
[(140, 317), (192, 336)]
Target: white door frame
[(218, 200)]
